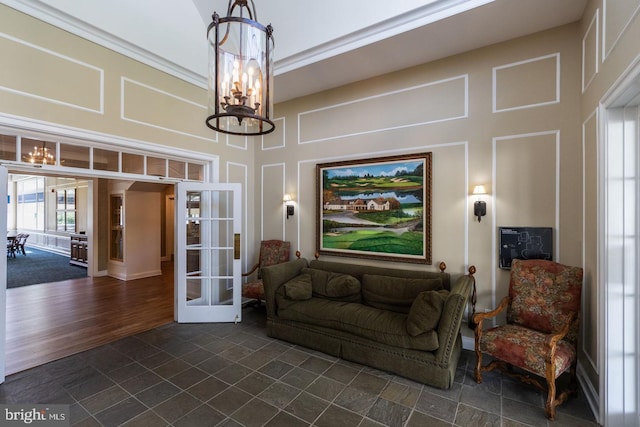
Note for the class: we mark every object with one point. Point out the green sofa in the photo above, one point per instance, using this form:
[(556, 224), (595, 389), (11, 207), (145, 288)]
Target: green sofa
[(402, 321)]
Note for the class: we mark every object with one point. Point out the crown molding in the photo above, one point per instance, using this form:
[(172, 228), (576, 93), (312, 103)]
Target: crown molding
[(424, 15)]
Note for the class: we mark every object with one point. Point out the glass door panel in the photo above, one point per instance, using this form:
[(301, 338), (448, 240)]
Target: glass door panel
[(209, 262)]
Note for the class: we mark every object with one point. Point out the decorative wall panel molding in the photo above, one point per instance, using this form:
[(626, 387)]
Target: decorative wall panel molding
[(530, 83), (272, 215), (439, 101), (589, 328), (31, 69), (149, 106), (590, 49), (526, 189), (275, 139)]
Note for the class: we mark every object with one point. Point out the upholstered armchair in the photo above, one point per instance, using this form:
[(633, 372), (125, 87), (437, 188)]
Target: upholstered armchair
[(541, 331), (271, 252)]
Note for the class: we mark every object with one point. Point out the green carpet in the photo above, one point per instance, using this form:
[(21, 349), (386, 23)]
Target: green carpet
[(40, 267)]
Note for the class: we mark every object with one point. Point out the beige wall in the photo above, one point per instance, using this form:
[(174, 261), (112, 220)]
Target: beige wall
[(507, 116)]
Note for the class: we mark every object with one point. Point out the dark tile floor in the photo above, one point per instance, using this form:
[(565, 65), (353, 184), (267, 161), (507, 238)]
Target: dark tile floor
[(231, 375)]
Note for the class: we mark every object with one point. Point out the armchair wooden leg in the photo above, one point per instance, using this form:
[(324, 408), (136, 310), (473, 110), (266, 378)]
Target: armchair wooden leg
[(478, 336), (478, 370), (550, 405)]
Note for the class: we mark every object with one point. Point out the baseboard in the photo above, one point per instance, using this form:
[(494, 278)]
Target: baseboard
[(590, 393), (468, 343)]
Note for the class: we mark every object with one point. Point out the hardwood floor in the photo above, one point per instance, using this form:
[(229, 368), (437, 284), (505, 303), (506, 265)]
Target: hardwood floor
[(49, 321)]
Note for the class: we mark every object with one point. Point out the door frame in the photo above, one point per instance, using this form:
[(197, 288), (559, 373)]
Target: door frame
[(20, 125), (621, 93)]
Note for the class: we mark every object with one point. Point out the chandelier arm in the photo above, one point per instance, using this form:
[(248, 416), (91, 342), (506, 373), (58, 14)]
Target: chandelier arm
[(243, 5)]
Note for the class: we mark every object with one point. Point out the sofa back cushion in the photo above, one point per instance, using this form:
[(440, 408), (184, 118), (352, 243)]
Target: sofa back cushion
[(359, 270), (299, 288), (395, 293), (334, 286)]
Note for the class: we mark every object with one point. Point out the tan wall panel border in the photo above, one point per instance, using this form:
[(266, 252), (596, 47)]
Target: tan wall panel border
[(514, 87), (238, 172), (617, 16), (275, 139), (272, 177), (77, 84), (149, 106), (590, 132), (590, 51), (506, 192), (347, 119)]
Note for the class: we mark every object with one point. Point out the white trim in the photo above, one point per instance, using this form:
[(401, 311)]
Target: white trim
[(595, 20), (618, 89), (514, 64), (100, 71), (590, 393), (61, 132), (75, 26), (465, 78)]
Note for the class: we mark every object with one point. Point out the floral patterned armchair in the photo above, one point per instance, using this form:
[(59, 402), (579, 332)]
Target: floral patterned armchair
[(541, 333), (271, 252)]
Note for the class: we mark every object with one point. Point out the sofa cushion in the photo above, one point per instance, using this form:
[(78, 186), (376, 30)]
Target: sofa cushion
[(334, 286), (381, 326), (425, 312), (395, 293), (299, 288)]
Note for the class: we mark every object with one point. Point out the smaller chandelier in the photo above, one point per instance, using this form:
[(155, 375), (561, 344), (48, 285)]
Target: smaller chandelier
[(41, 156), (240, 72)]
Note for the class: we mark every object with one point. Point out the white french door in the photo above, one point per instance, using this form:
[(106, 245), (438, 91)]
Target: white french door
[(208, 264)]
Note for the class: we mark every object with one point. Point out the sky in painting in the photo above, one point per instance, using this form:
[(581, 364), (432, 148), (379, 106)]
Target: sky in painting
[(374, 169)]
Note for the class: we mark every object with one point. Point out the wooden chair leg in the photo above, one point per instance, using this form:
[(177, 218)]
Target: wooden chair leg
[(478, 336), (478, 369), (551, 403)]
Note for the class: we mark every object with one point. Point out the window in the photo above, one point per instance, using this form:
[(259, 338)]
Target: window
[(84, 155), (66, 210), (30, 198)]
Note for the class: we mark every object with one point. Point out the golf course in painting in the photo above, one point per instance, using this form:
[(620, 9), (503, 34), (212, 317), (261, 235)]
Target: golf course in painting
[(375, 208)]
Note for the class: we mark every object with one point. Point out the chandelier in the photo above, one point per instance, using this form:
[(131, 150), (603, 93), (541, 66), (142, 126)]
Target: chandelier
[(240, 72), (41, 156)]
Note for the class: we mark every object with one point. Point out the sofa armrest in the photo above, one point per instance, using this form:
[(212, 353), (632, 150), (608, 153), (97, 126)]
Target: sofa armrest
[(452, 314), (275, 276)]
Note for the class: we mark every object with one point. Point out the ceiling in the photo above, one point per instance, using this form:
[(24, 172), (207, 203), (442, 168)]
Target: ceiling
[(319, 45)]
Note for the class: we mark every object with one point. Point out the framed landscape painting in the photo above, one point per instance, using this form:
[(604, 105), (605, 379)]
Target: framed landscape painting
[(376, 208)]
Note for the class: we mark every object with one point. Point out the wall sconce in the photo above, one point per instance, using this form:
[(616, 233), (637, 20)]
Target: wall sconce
[(288, 204), (479, 206)]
